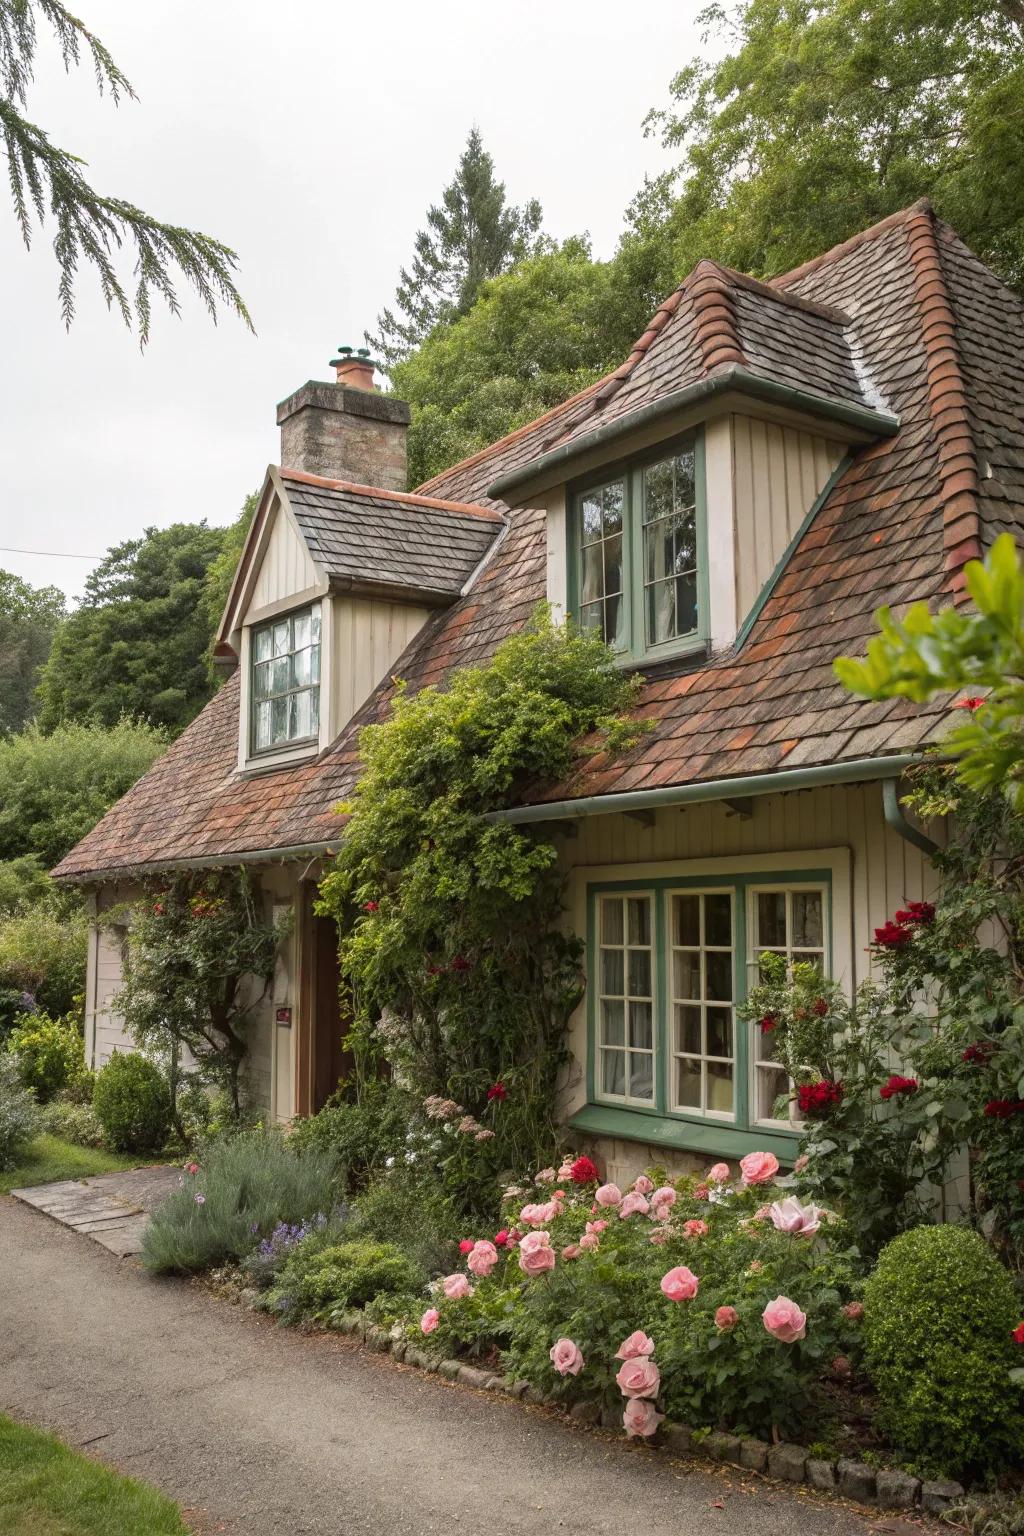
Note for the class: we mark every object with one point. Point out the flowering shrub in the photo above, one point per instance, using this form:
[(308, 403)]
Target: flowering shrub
[(718, 1311), (50, 1052)]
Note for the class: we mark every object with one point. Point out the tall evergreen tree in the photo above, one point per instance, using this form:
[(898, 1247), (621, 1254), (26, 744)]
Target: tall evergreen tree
[(472, 235), (28, 617), (89, 227)]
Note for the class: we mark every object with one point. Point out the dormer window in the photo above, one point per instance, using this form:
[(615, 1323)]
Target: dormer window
[(286, 680), (639, 557)]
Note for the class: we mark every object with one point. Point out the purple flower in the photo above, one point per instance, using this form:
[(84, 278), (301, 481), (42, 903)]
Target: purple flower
[(199, 1199)]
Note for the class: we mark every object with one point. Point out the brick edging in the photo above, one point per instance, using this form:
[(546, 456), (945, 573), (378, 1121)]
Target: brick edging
[(884, 1487)]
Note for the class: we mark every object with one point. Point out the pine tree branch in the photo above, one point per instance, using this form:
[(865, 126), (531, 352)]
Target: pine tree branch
[(44, 178), (19, 39)]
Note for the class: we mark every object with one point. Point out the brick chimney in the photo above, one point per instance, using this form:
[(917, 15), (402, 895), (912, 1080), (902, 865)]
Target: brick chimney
[(347, 430)]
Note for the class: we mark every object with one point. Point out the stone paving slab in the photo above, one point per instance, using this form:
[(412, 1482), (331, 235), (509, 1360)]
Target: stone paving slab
[(110, 1208)]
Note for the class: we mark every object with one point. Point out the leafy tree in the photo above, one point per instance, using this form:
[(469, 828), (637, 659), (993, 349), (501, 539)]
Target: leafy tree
[(451, 925), (201, 956), (28, 618), (925, 654), (54, 788), (220, 572), (472, 235), (826, 115), (90, 227), (137, 645), (534, 336)]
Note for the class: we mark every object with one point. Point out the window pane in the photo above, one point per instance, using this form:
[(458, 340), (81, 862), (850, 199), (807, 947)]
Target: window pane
[(314, 712), (613, 498), (615, 623), (303, 721), (280, 675), (613, 563), (719, 1032), (640, 1025), (687, 973), (807, 921), (639, 973), (301, 628), (613, 1023), (302, 668), (314, 624), (279, 720), (688, 1084), (590, 517), (263, 737), (718, 919), (661, 612), (611, 921), (773, 1094), (593, 573), (719, 1087), (687, 919), (771, 918), (592, 618), (688, 1031), (282, 633), (718, 976), (639, 920), (686, 604), (612, 973), (641, 1076), (613, 1072), (261, 679), (262, 644)]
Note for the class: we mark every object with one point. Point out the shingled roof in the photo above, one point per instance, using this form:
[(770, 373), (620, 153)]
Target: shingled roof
[(903, 317)]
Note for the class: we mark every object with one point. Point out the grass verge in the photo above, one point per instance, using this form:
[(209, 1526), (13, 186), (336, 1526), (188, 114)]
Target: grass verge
[(46, 1489), (48, 1159)]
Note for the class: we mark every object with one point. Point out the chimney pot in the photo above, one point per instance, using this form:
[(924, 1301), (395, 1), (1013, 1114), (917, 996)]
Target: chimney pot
[(354, 369), (348, 430)]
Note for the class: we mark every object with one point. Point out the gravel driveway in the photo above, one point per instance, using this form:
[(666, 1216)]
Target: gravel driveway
[(262, 1431)]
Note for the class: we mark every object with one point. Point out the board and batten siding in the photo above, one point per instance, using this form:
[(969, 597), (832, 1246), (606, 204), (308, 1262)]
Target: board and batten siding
[(286, 567), (778, 474), (367, 636)]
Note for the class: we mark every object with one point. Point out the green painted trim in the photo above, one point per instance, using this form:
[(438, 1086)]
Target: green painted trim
[(774, 783), (738, 886), (894, 818), (733, 377), (770, 585), (678, 1135)]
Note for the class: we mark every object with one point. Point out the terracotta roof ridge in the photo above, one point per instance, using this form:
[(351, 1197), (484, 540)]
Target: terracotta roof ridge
[(511, 437), (947, 403), (405, 497), (901, 216)]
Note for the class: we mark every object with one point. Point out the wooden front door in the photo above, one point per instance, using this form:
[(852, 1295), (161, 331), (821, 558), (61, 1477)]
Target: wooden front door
[(330, 1060)]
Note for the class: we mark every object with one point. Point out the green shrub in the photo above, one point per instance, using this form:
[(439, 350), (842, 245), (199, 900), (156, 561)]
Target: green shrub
[(421, 1214), (363, 1135), (243, 1188), (73, 1122), (49, 1053), (43, 952), (317, 1282), (940, 1312), (19, 1113), (133, 1103)]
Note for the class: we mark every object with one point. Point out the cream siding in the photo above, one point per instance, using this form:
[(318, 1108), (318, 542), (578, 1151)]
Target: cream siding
[(367, 636), (285, 569), (104, 1028), (778, 473)]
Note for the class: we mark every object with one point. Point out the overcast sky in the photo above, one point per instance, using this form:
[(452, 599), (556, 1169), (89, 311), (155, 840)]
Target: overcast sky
[(311, 137)]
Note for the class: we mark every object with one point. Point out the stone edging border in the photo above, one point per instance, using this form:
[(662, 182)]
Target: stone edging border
[(884, 1487)]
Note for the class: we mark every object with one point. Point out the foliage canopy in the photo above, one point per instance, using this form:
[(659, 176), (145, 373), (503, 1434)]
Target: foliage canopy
[(28, 618)]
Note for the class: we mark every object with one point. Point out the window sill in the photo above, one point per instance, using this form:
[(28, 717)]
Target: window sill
[(679, 1135), (254, 767)]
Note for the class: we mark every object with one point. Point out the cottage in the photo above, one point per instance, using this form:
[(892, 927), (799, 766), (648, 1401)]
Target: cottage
[(771, 463)]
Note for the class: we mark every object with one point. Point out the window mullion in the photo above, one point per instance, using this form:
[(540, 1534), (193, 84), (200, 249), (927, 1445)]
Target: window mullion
[(741, 1032), (662, 1006), (633, 582)]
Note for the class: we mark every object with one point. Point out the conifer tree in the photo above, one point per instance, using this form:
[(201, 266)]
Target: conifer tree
[(47, 179), (472, 235)]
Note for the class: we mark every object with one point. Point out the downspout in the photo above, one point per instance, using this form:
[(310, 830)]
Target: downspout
[(898, 823)]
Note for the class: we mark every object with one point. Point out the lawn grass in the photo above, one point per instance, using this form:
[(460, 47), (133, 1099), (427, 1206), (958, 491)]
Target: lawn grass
[(48, 1159), (46, 1489)]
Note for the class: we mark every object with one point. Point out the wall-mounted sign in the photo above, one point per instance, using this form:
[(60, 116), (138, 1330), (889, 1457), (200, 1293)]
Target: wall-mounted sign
[(284, 1016)]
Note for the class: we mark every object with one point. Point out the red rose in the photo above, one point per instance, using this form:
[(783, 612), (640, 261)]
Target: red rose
[(467, 1245), (916, 912), (371, 906), (980, 1052), (972, 703), (897, 1085), (999, 1109), (767, 1024), (1018, 1334), (497, 1091), (501, 1238), (818, 1098), (460, 963), (821, 1007), (892, 936), (583, 1171), (158, 908)]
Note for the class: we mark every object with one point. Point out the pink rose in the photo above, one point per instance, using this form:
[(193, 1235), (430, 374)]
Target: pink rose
[(571, 1251), (637, 1347), (790, 1216), (680, 1284), (590, 1240), (632, 1204), (660, 1235), (609, 1194), (840, 1366), (483, 1258), (565, 1357), (801, 1163), (536, 1255), (854, 1310), (784, 1320), (638, 1378), (759, 1167), (457, 1286), (695, 1228), (719, 1174), (640, 1417), (755, 1267), (546, 1176), (643, 1185), (661, 1213), (565, 1172), (596, 1226), (665, 1196), (726, 1319), (701, 1192), (430, 1320)]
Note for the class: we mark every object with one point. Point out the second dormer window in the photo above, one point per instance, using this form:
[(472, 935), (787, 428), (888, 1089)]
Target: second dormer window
[(638, 556), (286, 680)]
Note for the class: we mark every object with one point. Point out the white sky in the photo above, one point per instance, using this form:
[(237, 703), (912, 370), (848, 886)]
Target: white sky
[(311, 136)]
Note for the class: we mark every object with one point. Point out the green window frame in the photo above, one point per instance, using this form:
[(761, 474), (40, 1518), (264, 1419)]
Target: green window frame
[(668, 962), (637, 556), (284, 681)]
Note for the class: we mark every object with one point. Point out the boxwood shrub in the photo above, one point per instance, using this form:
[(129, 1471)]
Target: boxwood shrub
[(940, 1310), (133, 1103)]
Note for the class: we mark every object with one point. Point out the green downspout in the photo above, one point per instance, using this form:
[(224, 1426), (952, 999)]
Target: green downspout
[(895, 819)]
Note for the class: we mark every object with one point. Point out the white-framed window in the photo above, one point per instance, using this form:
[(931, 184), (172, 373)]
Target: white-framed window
[(791, 921), (285, 680), (701, 978), (625, 998)]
